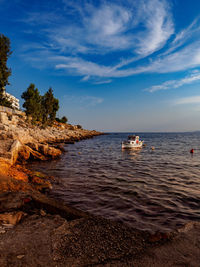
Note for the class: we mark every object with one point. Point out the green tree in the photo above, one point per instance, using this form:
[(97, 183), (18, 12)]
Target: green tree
[(4, 101), (32, 103), (64, 119), (58, 119), (50, 106), (5, 72)]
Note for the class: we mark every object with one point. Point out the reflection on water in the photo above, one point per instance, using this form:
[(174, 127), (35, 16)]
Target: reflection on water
[(148, 189), (132, 154)]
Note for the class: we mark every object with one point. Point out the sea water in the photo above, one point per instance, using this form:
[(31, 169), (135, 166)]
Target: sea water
[(154, 190)]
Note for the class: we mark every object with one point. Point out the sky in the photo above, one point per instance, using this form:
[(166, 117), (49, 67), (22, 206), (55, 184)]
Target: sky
[(123, 65)]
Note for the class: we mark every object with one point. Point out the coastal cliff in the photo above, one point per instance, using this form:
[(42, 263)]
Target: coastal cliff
[(36, 230), (20, 139)]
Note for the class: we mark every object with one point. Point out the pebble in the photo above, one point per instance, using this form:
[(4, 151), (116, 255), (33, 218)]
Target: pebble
[(20, 256), (2, 231), (8, 225), (42, 212)]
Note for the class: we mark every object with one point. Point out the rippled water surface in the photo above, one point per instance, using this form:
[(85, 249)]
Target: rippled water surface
[(147, 189)]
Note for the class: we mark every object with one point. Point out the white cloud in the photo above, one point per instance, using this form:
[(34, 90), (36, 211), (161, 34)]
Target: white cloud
[(102, 30), (84, 101), (108, 27), (103, 82), (188, 100), (185, 36), (195, 76), (91, 100), (86, 78), (111, 27), (186, 58), (156, 17), (135, 29), (186, 33), (83, 67)]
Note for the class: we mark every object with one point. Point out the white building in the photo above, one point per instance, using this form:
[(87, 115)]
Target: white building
[(13, 100)]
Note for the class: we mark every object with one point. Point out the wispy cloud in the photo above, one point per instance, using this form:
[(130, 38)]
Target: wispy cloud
[(137, 29), (130, 33), (188, 100), (113, 26), (158, 23), (186, 33), (42, 18), (91, 100), (185, 36), (103, 82), (84, 101), (195, 76), (185, 58)]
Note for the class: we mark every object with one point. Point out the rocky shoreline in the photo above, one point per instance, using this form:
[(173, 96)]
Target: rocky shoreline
[(36, 230)]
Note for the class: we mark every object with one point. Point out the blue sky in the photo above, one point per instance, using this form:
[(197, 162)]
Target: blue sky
[(114, 65)]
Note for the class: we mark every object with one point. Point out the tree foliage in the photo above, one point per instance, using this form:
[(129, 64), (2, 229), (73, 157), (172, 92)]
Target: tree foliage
[(40, 108), (50, 106), (79, 126), (64, 119), (4, 101), (32, 103), (5, 52), (5, 72)]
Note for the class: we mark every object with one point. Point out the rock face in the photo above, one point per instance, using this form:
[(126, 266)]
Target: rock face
[(3, 117), (11, 218), (21, 140)]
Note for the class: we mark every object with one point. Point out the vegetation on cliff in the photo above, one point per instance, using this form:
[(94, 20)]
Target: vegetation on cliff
[(5, 72), (62, 120), (41, 108), (32, 102)]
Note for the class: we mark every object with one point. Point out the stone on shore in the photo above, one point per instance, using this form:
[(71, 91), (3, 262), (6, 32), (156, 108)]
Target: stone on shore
[(46, 239), (24, 141)]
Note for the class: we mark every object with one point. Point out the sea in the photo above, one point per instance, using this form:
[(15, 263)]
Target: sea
[(153, 190)]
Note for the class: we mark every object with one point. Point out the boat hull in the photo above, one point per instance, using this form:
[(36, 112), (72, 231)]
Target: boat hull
[(131, 146)]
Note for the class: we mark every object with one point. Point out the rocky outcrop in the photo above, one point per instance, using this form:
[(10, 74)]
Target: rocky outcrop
[(14, 150), (23, 141), (26, 153)]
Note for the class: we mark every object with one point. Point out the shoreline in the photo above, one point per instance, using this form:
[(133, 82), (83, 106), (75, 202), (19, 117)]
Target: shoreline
[(38, 230)]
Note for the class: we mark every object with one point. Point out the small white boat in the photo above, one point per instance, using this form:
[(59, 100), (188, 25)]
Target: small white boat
[(132, 142)]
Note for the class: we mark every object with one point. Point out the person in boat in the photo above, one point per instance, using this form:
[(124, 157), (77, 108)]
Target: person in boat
[(131, 137)]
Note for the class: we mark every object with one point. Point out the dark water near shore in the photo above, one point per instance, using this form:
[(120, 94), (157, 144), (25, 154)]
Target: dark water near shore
[(151, 190)]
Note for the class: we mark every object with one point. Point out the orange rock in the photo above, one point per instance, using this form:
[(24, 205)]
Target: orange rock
[(24, 153), (18, 175), (54, 152), (12, 217), (42, 183)]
